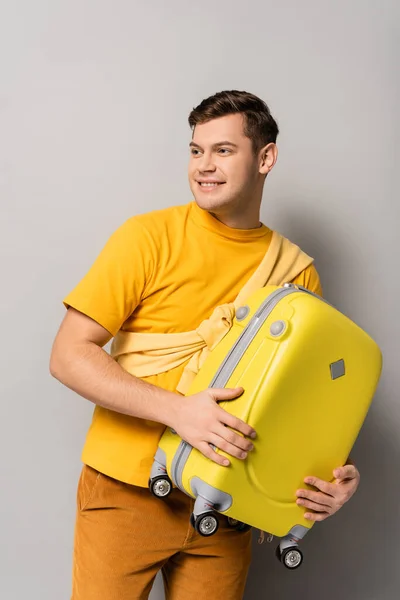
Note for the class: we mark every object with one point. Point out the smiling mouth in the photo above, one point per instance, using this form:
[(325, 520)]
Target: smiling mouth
[(210, 185)]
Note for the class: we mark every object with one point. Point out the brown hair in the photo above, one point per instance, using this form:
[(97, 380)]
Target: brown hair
[(259, 125)]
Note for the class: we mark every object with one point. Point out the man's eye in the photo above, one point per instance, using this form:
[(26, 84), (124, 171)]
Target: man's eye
[(225, 150), (194, 151)]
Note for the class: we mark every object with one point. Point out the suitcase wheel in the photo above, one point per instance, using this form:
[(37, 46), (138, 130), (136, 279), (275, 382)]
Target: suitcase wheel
[(160, 486), (206, 524), (291, 557), (238, 525)]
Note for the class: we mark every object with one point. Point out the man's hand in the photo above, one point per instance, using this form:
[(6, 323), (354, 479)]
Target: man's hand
[(330, 497), (201, 422)]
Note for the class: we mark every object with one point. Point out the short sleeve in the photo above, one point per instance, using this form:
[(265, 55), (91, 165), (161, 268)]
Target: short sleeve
[(309, 278), (115, 283)]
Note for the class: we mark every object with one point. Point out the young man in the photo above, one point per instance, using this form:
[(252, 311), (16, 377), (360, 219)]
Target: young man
[(159, 276)]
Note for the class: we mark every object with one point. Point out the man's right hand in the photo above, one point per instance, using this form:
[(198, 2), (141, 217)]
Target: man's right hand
[(200, 421)]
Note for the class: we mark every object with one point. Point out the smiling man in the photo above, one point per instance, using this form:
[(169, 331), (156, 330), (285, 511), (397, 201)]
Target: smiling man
[(158, 277)]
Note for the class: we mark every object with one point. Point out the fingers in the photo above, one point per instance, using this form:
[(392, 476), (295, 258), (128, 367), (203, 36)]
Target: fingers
[(234, 438), (237, 424), (316, 498), (221, 394), (231, 447), (316, 516), (346, 472), (320, 484), (313, 505), (210, 453), (317, 502)]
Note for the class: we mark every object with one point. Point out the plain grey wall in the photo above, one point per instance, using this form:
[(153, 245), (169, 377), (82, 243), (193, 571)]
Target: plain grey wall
[(94, 98)]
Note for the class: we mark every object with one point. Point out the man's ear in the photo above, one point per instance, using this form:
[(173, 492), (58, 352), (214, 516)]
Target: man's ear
[(268, 156)]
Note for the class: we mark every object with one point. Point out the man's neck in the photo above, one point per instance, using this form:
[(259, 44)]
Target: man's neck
[(239, 221)]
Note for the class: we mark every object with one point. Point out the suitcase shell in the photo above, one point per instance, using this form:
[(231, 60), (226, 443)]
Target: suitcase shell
[(309, 375)]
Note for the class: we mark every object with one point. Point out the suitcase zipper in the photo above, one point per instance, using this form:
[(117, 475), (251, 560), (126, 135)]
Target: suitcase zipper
[(233, 357), (176, 471), (231, 361)]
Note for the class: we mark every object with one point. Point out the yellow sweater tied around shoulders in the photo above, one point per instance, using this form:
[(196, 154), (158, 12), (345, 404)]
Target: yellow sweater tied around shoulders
[(147, 354)]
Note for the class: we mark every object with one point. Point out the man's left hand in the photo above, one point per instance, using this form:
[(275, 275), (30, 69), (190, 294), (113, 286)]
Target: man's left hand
[(329, 497)]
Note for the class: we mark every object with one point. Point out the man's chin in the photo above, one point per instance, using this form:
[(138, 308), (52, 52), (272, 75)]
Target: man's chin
[(212, 204)]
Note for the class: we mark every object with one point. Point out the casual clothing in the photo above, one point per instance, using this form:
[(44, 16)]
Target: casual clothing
[(124, 536), (161, 273)]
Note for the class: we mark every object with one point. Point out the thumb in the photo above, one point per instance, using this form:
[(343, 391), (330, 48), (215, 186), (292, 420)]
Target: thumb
[(219, 394), (345, 473)]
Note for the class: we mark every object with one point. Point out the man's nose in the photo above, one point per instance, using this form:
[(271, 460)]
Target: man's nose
[(206, 163)]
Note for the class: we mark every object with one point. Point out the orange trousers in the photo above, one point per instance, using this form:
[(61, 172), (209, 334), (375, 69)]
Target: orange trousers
[(124, 536)]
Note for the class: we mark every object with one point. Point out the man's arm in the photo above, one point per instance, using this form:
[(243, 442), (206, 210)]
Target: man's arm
[(79, 362)]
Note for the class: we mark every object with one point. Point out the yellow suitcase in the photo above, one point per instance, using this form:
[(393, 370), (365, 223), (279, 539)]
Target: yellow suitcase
[(309, 375)]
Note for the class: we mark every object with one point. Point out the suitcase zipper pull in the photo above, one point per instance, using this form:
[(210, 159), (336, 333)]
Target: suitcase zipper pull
[(261, 538)]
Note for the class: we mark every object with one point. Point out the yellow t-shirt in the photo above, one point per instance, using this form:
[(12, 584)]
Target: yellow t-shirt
[(162, 272)]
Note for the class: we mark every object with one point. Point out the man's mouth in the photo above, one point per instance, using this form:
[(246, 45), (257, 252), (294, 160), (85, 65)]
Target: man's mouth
[(213, 184)]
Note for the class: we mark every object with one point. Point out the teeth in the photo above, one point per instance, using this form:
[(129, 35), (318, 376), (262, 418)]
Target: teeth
[(209, 184)]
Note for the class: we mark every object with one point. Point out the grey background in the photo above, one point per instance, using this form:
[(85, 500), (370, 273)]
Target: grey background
[(94, 98)]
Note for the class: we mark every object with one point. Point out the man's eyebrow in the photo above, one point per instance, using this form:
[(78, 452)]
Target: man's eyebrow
[(225, 143)]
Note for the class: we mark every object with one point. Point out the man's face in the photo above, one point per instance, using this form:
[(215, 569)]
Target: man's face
[(223, 169)]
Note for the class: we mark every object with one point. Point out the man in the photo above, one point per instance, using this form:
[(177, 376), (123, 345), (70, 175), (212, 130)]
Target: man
[(162, 274)]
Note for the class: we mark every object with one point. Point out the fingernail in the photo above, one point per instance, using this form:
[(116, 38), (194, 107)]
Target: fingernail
[(253, 435), (226, 463), (336, 473), (251, 448), (244, 454)]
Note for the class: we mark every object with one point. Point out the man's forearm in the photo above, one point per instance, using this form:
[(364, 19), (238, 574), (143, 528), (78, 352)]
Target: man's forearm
[(90, 372)]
